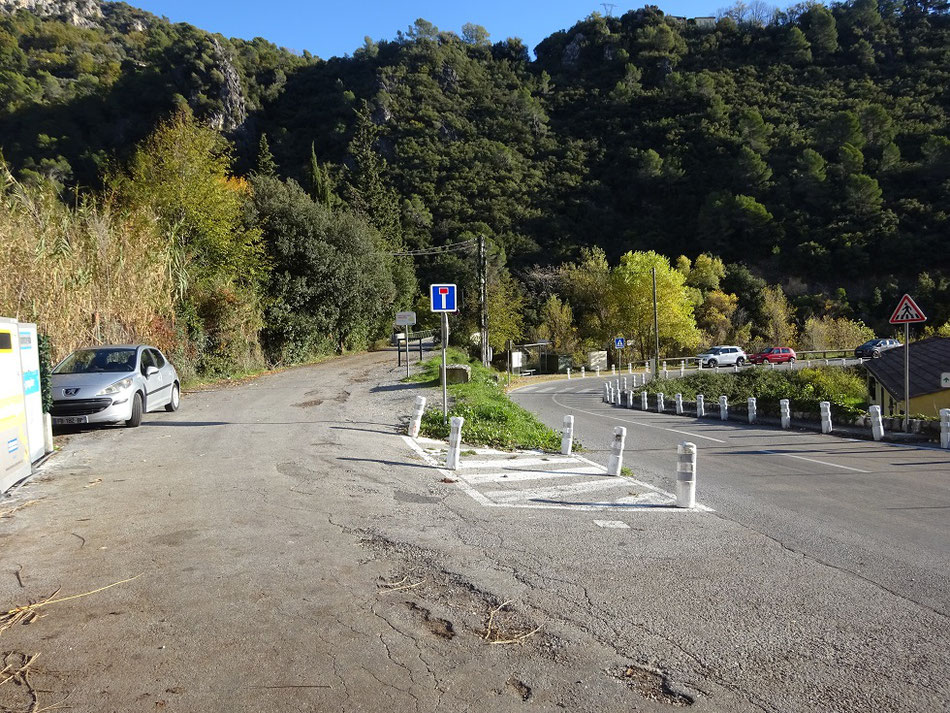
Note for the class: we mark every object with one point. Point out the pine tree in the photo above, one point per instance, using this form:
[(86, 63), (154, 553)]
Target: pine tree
[(265, 159)]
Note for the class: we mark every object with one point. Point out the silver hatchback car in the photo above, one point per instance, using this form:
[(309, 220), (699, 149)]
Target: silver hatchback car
[(112, 384)]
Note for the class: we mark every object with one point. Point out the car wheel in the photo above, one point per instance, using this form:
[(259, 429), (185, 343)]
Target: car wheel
[(740, 361), (792, 360), (136, 418), (712, 363), (173, 405), (876, 353)]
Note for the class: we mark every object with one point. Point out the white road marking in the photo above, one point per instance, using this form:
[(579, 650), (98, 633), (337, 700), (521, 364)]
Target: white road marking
[(520, 462), (814, 460), (657, 500), (638, 423), (558, 491), (612, 524), (512, 476)]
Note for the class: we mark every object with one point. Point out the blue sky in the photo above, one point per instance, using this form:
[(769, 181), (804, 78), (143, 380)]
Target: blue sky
[(335, 28)]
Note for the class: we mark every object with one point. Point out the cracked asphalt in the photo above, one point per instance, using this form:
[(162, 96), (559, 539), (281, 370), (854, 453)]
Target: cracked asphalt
[(295, 555)]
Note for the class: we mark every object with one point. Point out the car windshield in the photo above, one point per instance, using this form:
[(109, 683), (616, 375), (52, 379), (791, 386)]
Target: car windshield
[(91, 361), (872, 343)]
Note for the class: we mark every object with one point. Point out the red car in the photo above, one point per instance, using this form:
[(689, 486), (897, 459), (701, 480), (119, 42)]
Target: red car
[(774, 355)]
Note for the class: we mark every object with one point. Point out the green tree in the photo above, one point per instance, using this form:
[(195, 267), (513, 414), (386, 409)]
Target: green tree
[(631, 292), (822, 31)]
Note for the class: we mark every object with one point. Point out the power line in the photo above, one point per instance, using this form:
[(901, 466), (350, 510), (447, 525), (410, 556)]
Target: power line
[(436, 250), (609, 8)]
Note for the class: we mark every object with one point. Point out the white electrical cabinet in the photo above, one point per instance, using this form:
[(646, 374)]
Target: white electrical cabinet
[(32, 395), (14, 439)]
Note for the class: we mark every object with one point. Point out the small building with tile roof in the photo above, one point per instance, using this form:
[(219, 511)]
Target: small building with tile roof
[(929, 362)]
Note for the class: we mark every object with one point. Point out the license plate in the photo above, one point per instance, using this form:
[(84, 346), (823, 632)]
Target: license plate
[(69, 420)]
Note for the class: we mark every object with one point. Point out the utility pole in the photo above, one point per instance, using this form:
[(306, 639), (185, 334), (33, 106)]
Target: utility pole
[(656, 330), (483, 291)]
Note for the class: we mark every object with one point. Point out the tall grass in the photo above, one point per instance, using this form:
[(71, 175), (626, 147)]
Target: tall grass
[(86, 274)]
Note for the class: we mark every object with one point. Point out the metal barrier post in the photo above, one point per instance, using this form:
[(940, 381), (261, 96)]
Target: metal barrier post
[(615, 462), (752, 409), (877, 422), (567, 436), (825, 407), (455, 443), (686, 475), (945, 428), (415, 423)]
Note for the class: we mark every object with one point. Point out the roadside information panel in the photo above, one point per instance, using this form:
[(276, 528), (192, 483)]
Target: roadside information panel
[(14, 453)]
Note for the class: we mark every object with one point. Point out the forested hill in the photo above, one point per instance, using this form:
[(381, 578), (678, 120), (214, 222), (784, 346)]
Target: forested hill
[(811, 145)]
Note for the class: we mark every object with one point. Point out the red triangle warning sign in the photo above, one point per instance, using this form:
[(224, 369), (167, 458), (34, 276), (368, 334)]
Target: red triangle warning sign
[(907, 312)]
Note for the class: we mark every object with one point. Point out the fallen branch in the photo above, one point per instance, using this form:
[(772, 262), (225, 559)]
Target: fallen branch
[(517, 639), (28, 613), (21, 506), (491, 618)]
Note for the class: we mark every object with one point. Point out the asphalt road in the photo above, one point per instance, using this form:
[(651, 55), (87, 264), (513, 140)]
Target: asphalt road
[(879, 510), (293, 553)]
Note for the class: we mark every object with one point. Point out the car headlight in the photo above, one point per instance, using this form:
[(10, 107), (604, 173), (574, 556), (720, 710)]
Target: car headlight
[(115, 388)]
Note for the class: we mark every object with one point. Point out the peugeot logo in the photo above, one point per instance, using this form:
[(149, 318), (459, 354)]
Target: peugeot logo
[(70, 392)]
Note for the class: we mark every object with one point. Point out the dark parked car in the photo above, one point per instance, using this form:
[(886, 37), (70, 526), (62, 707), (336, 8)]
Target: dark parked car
[(875, 347), (774, 355)]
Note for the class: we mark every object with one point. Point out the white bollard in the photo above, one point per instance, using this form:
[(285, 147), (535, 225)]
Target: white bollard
[(826, 362), (636, 380), (772, 365), (686, 475), (568, 374), (700, 406), (623, 383), (752, 409), (415, 423), (665, 373), (716, 368), (643, 401), (945, 428), (617, 385), (723, 408), (679, 404), (455, 443), (606, 393), (615, 463), (583, 372), (682, 369), (808, 362), (735, 368), (659, 403), (630, 368), (598, 372), (825, 407), (613, 368), (785, 409), (877, 423), (567, 436), (48, 433)]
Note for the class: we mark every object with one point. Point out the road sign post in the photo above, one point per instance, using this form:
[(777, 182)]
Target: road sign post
[(907, 313), (405, 319), (444, 299)]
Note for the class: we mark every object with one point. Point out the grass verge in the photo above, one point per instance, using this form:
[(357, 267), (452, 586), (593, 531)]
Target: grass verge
[(491, 418)]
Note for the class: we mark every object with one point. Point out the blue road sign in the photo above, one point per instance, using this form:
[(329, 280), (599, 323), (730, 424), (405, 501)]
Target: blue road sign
[(443, 298), (620, 343)]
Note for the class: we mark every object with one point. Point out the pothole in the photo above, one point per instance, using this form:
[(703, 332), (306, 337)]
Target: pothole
[(653, 686)]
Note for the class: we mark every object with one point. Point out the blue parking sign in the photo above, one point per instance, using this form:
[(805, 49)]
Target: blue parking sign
[(620, 343), (443, 298)]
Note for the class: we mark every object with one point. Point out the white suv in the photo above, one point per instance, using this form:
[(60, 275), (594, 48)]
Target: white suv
[(722, 356)]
